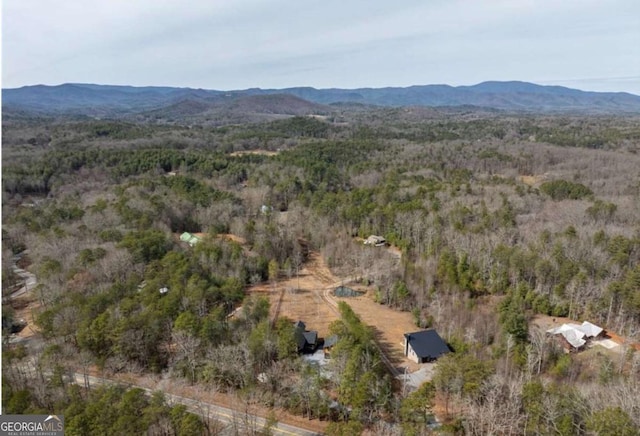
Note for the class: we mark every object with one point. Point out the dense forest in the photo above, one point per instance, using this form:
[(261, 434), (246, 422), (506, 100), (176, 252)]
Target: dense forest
[(499, 218)]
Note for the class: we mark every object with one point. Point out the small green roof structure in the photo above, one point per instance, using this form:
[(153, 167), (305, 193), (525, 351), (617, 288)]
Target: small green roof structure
[(189, 238)]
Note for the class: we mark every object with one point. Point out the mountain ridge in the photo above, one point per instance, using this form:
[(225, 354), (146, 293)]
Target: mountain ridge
[(94, 99)]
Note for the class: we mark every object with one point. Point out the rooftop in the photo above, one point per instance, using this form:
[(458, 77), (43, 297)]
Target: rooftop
[(427, 343), (575, 334)]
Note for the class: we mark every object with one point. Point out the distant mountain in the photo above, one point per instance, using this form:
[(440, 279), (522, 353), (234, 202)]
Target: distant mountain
[(235, 109), (286, 104), (97, 100)]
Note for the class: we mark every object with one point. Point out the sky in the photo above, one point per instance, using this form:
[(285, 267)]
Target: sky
[(237, 44)]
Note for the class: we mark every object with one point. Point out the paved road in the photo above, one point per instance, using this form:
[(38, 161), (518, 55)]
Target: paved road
[(235, 422)]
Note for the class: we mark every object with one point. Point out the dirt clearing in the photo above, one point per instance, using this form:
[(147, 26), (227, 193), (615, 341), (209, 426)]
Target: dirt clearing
[(532, 180), (298, 298), (389, 325), (310, 299)]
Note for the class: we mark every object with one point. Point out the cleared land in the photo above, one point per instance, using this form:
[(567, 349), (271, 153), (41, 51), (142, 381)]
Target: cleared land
[(311, 301), (532, 180), (389, 326), (298, 297)]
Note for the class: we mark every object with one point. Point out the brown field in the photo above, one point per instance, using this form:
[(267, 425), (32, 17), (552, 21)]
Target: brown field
[(299, 298)]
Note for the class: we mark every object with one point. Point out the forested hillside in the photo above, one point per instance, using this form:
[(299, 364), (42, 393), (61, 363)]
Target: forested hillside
[(499, 219)]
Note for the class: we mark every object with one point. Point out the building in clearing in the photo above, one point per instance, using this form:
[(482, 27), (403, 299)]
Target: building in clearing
[(574, 337), (189, 238), (424, 346)]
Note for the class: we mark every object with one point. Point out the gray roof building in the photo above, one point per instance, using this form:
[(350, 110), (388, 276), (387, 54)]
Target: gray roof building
[(424, 346)]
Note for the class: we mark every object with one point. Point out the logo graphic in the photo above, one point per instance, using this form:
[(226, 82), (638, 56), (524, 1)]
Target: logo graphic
[(31, 425)]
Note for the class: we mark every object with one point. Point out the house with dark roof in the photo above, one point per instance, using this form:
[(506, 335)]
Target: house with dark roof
[(306, 340), (424, 346), (328, 345)]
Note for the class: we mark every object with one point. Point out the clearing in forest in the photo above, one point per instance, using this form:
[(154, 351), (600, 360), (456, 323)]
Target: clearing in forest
[(299, 297), (532, 180), (314, 304)]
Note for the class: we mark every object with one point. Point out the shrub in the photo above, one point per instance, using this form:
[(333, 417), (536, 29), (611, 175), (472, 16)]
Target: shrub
[(564, 190)]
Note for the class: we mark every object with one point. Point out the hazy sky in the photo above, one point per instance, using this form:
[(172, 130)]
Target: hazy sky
[(234, 44)]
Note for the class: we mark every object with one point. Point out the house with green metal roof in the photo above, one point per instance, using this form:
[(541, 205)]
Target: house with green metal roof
[(189, 238)]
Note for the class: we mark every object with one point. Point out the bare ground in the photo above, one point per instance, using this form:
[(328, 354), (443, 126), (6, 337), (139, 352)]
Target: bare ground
[(316, 306), (532, 180), (25, 308), (299, 298), (389, 326)]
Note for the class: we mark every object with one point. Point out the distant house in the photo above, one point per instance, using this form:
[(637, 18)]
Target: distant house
[(189, 238), (574, 337), (306, 340), (424, 346), (375, 240)]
